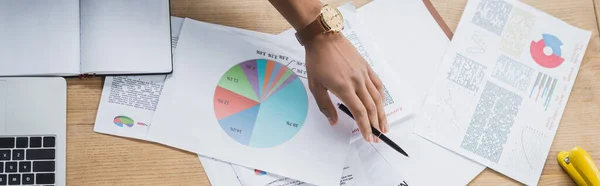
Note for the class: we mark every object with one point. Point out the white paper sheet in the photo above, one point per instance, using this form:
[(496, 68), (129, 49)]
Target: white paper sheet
[(365, 167), (204, 55), (414, 45), (352, 175), (377, 169), (500, 92)]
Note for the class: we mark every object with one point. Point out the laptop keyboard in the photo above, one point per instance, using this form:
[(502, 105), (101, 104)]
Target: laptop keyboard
[(27, 160)]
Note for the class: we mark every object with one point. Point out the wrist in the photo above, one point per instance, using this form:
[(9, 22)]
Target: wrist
[(323, 39)]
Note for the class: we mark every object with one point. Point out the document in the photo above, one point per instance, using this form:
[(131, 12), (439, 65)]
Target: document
[(500, 92), (353, 174), (413, 45), (365, 166), (237, 99), (378, 170)]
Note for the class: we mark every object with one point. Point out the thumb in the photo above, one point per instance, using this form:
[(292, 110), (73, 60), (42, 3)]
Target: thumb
[(324, 102)]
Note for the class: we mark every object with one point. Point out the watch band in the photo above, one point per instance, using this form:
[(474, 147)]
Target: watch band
[(310, 31)]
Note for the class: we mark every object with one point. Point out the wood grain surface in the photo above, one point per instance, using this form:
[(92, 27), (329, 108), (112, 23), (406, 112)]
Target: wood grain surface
[(98, 159)]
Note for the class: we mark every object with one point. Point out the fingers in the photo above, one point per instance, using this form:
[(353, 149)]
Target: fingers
[(359, 112), (324, 102), (376, 81), (377, 99), (376, 90), (370, 106)]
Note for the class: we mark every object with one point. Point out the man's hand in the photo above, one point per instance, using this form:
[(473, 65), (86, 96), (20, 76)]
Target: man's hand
[(334, 64)]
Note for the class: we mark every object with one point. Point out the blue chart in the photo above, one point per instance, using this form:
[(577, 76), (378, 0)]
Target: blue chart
[(543, 88), (260, 103)]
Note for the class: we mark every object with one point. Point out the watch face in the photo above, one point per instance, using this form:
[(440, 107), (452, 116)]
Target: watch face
[(333, 18)]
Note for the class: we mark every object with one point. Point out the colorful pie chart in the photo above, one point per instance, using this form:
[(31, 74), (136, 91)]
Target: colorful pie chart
[(260, 103), (123, 120), (259, 172)]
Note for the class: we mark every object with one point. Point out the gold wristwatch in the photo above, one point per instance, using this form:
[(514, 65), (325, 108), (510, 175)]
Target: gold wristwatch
[(329, 20)]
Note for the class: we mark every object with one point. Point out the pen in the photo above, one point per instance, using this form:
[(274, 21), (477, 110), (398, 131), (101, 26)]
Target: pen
[(376, 132)]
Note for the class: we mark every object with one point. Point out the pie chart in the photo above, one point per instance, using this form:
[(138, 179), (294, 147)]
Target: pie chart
[(551, 60), (123, 120), (260, 103)]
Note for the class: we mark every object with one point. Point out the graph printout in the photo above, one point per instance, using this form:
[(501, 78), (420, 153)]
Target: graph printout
[(236, 99), (502, 87)]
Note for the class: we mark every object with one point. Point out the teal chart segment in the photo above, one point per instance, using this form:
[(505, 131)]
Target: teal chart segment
[(260, 103)]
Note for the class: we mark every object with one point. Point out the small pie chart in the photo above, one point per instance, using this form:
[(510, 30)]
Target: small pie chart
[(123, 120), (259, 172), (260, 103)]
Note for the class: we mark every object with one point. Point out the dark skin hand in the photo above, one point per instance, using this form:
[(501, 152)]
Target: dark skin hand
[(353, 81)]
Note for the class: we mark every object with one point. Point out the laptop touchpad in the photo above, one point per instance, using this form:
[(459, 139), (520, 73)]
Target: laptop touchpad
[(3, 97)]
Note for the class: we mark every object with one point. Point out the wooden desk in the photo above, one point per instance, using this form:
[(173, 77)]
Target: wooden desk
[(96, 159)]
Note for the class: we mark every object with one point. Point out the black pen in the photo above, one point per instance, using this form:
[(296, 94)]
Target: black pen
[(375, 132)]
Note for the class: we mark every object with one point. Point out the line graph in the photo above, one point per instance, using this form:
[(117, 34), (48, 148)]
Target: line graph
[(449, 105), (442, 111), (531, 146), (523, 150)]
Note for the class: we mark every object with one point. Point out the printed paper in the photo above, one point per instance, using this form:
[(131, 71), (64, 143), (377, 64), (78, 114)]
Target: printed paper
[(365, 167), (236, 99), (503, 86)]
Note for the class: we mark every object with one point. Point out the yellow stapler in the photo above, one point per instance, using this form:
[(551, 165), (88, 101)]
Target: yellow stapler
[(580, 166)]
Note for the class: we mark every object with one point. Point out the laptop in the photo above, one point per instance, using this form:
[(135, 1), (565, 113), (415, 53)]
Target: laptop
[(32, 131)]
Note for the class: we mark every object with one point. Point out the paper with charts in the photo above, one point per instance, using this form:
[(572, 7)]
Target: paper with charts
[(502, 87), (238, 99)]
